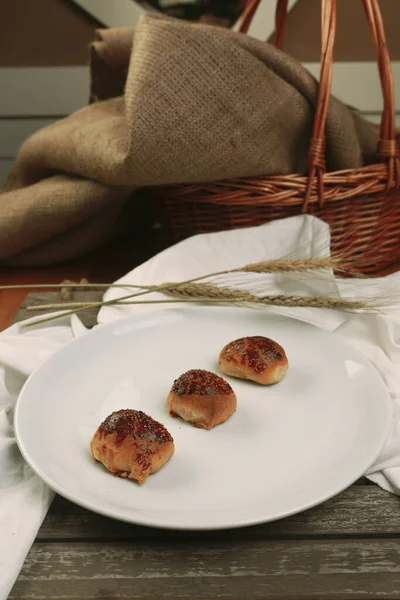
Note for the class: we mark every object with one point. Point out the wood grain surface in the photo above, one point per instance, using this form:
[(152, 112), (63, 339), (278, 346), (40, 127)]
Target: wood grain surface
[(194, 568), (347, 548), (362, 511)]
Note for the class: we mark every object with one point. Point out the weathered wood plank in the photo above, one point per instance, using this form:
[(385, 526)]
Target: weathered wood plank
[(192, 569), (88, 317), (79, 554), (359, 511)]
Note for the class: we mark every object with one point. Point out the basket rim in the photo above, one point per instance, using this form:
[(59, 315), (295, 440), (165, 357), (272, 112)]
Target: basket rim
[(339, 185)]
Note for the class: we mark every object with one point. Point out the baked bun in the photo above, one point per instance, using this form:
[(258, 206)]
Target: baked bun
[(256, 358), (202, 398), (132, 444)]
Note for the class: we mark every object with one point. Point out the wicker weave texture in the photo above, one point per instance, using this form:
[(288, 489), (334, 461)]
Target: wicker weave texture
[(362, 206)]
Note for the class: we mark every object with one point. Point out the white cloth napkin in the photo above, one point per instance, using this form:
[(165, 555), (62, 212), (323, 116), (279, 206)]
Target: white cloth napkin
[(24, 499)]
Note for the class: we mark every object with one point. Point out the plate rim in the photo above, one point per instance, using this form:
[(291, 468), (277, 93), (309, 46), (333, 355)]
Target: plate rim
[(154, 523)]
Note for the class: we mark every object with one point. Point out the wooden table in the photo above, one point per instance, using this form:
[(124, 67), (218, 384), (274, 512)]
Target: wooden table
[(347, 548), (104, 265)]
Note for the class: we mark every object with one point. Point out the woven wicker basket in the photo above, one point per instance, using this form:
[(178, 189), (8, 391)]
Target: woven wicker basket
[(361, 205)]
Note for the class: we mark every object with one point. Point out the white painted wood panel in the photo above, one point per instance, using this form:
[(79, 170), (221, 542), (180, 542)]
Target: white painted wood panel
[(42, 91), (113, 13), (263, 24), (358, 84), (376, 117), (5, 166), (14, 131), (49, 91), (34, 97)]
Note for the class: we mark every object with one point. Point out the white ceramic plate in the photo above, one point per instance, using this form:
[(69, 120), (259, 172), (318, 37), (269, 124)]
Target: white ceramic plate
[(287, 447)]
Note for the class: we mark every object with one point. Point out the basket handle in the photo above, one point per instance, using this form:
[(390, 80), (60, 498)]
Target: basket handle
[(387, 146)]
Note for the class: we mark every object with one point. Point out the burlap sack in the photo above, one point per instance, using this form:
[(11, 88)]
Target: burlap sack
[(171, 102)]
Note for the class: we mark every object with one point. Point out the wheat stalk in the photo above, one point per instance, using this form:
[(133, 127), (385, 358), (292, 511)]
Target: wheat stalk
[(210, 293), (316, 302), (288, 301), (197, 289), (72, 285), (289, 266), (265, 266), (282, 300)]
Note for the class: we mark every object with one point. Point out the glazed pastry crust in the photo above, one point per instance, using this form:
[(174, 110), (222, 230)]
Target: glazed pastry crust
[(202, 398), (131, 444), (256, 358)]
